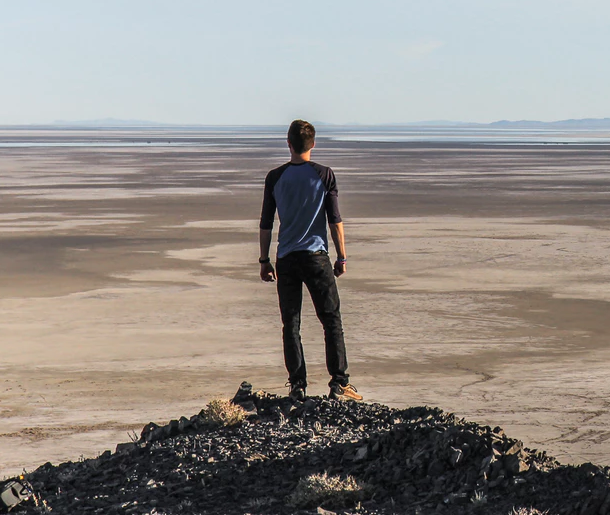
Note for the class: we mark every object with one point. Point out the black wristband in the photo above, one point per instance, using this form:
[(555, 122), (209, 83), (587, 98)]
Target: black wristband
[(263, 261)]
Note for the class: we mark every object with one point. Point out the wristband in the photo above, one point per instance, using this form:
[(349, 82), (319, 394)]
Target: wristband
[(263, 261), (342, 260)]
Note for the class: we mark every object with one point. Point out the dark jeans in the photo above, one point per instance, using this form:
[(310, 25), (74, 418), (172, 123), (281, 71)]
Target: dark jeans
[(316, 272)]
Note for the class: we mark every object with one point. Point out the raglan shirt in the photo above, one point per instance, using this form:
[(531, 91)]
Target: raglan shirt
[(305, 197)]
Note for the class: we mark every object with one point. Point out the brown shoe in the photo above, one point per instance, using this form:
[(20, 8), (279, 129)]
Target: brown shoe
[(344, 393)]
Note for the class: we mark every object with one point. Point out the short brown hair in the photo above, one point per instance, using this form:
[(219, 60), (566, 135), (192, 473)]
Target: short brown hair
[(301, 136)]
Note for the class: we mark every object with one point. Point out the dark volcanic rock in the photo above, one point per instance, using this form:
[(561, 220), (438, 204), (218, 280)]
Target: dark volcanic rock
[(417, 460)]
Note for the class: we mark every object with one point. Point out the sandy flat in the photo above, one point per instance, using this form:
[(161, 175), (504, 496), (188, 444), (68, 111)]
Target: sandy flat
[(478, 281)]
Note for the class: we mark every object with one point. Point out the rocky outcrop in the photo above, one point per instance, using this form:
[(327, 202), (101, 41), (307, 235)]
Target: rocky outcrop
[(416, 460)]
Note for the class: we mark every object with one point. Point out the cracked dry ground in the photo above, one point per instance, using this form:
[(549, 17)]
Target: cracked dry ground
[(417, 460)]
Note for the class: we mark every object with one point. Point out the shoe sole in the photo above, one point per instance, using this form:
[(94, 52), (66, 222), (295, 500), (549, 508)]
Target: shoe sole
[(300, 398), (338, 397)]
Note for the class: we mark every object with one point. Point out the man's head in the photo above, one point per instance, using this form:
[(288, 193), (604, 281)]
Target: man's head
[(301, 136)]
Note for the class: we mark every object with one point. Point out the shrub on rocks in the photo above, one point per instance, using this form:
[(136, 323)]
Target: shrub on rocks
[(223, 412), (319, 489)]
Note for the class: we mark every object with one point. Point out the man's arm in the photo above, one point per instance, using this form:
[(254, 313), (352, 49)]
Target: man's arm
[(338, 236), (267, 271)]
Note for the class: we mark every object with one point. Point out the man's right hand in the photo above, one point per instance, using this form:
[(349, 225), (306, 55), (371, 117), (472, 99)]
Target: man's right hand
[(267, 272)]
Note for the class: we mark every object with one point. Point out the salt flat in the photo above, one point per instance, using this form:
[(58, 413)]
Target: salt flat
[(478, 281)]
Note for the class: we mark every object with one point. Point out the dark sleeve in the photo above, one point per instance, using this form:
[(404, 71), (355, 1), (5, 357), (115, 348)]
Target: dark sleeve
[(331, 202), (268, 211), (269, 205)]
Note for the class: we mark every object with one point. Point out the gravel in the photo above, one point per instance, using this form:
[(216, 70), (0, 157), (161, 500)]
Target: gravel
[(315, 457)]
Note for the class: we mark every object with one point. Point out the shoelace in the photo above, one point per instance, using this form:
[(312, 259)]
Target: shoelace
[(291, 386), (350, 386)]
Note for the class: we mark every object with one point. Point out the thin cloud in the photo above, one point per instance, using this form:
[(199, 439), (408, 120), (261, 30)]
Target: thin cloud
[(419, 50)]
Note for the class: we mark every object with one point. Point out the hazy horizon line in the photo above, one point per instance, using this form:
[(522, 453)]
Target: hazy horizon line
[(125, 123)]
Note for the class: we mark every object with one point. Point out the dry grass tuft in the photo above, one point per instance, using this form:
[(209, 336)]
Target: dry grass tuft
[(527, 511), (479, 499), (223, 412), (317, 489)]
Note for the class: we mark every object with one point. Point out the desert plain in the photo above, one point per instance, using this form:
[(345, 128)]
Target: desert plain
[(478, 281)]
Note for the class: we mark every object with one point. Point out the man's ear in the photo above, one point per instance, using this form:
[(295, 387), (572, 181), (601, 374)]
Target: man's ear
[(289, 145), (314, 145)]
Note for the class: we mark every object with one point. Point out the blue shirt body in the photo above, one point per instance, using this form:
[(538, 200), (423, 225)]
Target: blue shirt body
[(305, 197)]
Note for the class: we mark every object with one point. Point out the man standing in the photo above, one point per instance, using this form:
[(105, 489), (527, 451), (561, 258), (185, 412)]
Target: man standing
[(304, 194)]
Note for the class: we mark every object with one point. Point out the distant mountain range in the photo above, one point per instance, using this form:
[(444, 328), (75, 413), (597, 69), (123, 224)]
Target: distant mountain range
[(109, 122), (582, 123), (585, 123)]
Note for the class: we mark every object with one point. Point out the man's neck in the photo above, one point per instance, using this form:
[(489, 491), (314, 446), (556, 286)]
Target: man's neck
[(298, 159)]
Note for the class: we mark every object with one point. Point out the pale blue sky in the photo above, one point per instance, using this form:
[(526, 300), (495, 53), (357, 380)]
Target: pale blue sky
[(267, 62)]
